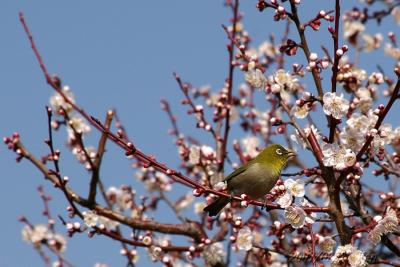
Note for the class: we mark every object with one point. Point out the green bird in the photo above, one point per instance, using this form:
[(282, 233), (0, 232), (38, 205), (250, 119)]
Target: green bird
[(255, 178)]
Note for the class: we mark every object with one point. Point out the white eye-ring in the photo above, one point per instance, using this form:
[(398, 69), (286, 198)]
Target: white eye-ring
[(279, 151)]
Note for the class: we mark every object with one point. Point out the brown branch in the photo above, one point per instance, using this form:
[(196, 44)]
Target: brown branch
[(335, 67), (304, 46), (231, 51), (190, 229), (58, 181), (99, 156)]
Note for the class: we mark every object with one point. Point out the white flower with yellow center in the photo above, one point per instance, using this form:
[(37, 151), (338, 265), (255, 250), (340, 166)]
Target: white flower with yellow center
[(337, 156), (214, 254), (244, 240), (256, 78), (335, 105), (295, 216), (349, 254), (326, 244), (385, 226), (300, 112), (295, 187), (91, 219)]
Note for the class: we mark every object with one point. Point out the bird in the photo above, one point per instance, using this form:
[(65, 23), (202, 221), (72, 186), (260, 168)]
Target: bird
[(255, 178)]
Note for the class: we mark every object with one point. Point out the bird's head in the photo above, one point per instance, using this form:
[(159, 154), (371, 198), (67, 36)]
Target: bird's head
[(275, 155)]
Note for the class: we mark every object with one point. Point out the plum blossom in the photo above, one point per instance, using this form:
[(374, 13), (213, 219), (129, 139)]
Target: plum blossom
[(251, 145), (396, 14), (244, 239), (91, 219), (363, 99), (285, 200), (256, 78), (214, 253), (335, 105), (338, 156), (57, 102), (392, 51), (372, 42), (352, 28), (35, 234), (357, 259), (357, 127), (295, 187), (326, 244), (282, 82), (349, 254), (268, 49), (300, 112), (295, 216), (196, 153), (385, 226)]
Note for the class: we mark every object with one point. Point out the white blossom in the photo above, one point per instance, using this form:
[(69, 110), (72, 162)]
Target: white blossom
[(335, 105), (250, 145), (385, 226), (244, 239), (357, 259), (35, 234), (392, 51), (372, 42), (284, 83), (91, 219), (352, 28), (349, 254), (285, 200), (337, 156), (268, 49), (155, 253), (57, 102), (326, 244), (194, 155), (396, 14), (295, 216), (295, 187), (214, 254), (256, 78), (79, 125), (300, 112)]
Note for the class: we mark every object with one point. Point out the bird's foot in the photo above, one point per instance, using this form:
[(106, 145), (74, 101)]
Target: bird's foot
[(264, 205)]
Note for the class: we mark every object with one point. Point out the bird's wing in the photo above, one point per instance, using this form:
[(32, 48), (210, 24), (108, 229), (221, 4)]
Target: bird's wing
[(236, 173)]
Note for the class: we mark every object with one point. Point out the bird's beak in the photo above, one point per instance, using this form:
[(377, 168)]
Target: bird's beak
[(291, 153)]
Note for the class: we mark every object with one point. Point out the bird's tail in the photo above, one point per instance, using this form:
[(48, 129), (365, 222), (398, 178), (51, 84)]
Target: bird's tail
[(215, 207)]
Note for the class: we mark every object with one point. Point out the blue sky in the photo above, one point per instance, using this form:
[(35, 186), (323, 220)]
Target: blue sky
[(111, 55)]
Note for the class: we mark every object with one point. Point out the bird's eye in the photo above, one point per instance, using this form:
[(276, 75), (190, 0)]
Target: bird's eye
[(279, 151)]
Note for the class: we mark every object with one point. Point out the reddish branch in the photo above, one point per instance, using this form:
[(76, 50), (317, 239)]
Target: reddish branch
[(231, 51), (304, 46), (203, 121), (97, 162), (335, 66)]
